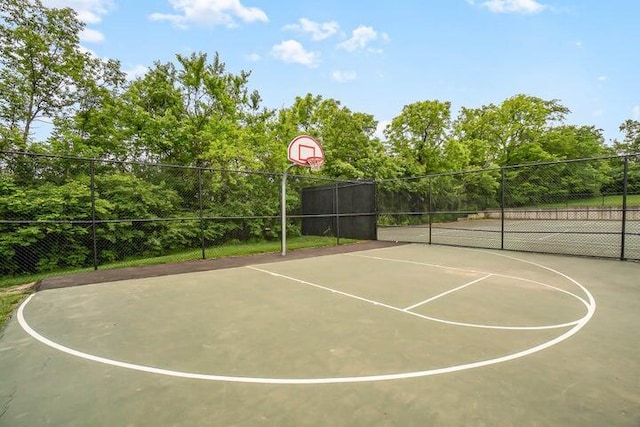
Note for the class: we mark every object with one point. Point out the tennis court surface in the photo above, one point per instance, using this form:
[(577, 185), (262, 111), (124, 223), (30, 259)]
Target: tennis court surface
[(400, 335), (568, 237)]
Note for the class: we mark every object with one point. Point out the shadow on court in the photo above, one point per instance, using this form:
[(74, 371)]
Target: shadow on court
[(399, 335)]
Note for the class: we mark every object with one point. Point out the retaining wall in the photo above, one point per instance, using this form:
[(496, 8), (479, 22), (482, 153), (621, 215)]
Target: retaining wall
[(575, 213)]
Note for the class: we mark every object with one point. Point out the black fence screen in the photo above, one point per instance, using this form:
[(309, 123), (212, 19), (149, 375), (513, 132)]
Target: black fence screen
[(345, 210)]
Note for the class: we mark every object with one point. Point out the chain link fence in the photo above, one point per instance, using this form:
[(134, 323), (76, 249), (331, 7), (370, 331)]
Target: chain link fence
[(63, 213), (588, 207)]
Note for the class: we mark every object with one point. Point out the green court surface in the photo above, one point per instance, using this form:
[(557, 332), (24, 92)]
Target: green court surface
[(397, 336)]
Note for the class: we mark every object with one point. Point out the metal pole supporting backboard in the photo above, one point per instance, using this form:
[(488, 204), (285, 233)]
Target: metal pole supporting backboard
[(283, 210)]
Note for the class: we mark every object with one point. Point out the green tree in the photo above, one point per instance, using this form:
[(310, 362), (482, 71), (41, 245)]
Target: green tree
[(510, 133), (43, 247), (43, 71), (148, 115), (573, 142), (192, 112), (93, 130), (630, 144), (418, 137)]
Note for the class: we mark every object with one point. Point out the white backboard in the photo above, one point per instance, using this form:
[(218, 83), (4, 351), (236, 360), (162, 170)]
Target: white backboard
[(304, 147)]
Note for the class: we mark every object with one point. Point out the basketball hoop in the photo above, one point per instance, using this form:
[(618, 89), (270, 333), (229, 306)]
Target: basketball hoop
[(306, 151), (303, 151), (315, 163)]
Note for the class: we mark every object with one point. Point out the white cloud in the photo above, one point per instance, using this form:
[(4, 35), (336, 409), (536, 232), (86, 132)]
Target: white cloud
[(360, 38), (602, 78), (90, 35), (253, 57), (210, 13), (514, 6), (136, 71), (318, 30), (292, 51), (88, 51), (382, 125), (579, 44), (635, 112), (89, 11), (343, 76)]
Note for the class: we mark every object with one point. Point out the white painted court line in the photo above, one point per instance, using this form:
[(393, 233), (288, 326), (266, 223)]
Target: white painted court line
[(558, 233), (573, 226), (315, 285), (411, 313), (294, 381), (465, 229), (549, 236), (592, 302), (329, 380), (449, 235), (446, 293), (468, 270), (511, 240)]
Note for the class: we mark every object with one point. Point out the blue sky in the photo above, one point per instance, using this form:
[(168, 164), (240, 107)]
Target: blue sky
[(376, 56)]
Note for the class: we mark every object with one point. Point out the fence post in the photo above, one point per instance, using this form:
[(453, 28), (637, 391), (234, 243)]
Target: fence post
[(502, 199), (200, 212), (430, 208), (93, 213), (625, 184), (336, 206), (376, 208)]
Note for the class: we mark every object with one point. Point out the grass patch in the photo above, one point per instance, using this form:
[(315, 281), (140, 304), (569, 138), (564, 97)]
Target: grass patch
[(9, 300), (596, 201), (229, 249)]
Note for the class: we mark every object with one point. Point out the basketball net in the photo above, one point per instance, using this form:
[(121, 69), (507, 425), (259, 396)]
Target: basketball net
[(315, 163)]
